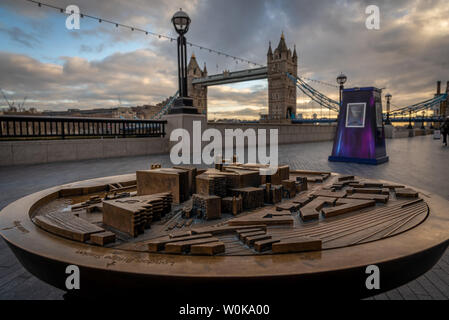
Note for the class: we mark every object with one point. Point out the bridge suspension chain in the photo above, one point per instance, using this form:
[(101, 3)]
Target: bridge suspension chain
[(423, 105), (313, 94), (166, 107)]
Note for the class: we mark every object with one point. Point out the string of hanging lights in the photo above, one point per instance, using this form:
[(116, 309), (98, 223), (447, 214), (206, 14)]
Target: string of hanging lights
[(146, 32), (164, 37)]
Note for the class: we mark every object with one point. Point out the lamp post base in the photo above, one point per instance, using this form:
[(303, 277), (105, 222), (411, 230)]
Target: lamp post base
[(183, 105)]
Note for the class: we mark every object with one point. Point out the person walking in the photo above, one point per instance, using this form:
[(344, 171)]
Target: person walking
[(445, 130)]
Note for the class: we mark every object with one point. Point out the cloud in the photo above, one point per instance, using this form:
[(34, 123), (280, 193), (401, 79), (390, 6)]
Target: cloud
[(406, 56), (86, 84), (86, 48), (18, 35)]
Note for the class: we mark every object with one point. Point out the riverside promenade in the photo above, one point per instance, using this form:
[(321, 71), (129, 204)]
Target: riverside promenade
[(419, 161)]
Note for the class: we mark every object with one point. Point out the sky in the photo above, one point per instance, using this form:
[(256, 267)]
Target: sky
[(99, 65)]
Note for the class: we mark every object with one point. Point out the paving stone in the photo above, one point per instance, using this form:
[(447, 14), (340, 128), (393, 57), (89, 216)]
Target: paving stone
[(407, 293), (431, 289), (394, 295), (19, 181)]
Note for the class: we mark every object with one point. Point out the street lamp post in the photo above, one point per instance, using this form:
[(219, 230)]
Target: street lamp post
[(183, 104), (341, 80), (388, 97)]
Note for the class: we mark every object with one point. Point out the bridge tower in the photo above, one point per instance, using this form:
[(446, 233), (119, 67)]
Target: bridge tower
[(281, 90), (197, 92), (443, 109)]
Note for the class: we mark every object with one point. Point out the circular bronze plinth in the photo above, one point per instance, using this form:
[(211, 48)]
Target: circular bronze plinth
[(402, 252)]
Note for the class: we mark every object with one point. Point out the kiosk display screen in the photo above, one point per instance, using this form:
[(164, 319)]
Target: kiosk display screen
[(355, 115)]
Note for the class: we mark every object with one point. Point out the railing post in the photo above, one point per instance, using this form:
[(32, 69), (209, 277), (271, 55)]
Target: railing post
[(36, 127)]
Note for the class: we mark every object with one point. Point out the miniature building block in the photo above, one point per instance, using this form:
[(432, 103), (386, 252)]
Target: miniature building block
[(207, 184), (252, 197), (251, 240), (347, 205), (155, 166), (233, 205), (365, 196), (67, 225), (180, 234), (263, 245), (292, 207), (159, 244), (133, 215), (208, 249), (392, 186), (243, 236), (192, 173), (210, 206), (251, 229), (93, 204), (406, 193), (301, 184), (103, 238), (282, 173), (247, 178), (327, 193), (184, 246), (269, 219), (345, 178), (300, 244), (272, 193), (289, 188), (371, 184), (171, 180), (232, 178), (341, 184), (353, 190), (227, 229), (302, 200), (311, 210)]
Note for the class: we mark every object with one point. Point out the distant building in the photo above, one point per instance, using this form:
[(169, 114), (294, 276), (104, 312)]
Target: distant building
[(115, 113), (14, 112)]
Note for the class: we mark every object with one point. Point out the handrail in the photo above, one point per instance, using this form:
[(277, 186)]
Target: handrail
[(32, 127)]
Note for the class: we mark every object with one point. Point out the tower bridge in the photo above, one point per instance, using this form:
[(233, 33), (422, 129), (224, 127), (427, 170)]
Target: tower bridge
[(281, 73), (232, 77), (281, 90)]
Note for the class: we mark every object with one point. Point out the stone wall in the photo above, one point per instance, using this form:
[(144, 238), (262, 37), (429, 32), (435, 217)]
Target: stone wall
[(288, 133), (392, 132), (47, 151)]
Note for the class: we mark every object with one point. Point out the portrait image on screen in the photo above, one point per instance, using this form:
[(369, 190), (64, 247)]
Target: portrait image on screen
[(355, 115)]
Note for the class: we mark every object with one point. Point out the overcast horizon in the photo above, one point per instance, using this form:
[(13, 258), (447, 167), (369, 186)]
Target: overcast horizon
[(98, 65)]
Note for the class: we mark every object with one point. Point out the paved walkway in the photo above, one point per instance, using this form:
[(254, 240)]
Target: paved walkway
[(419, 161)]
